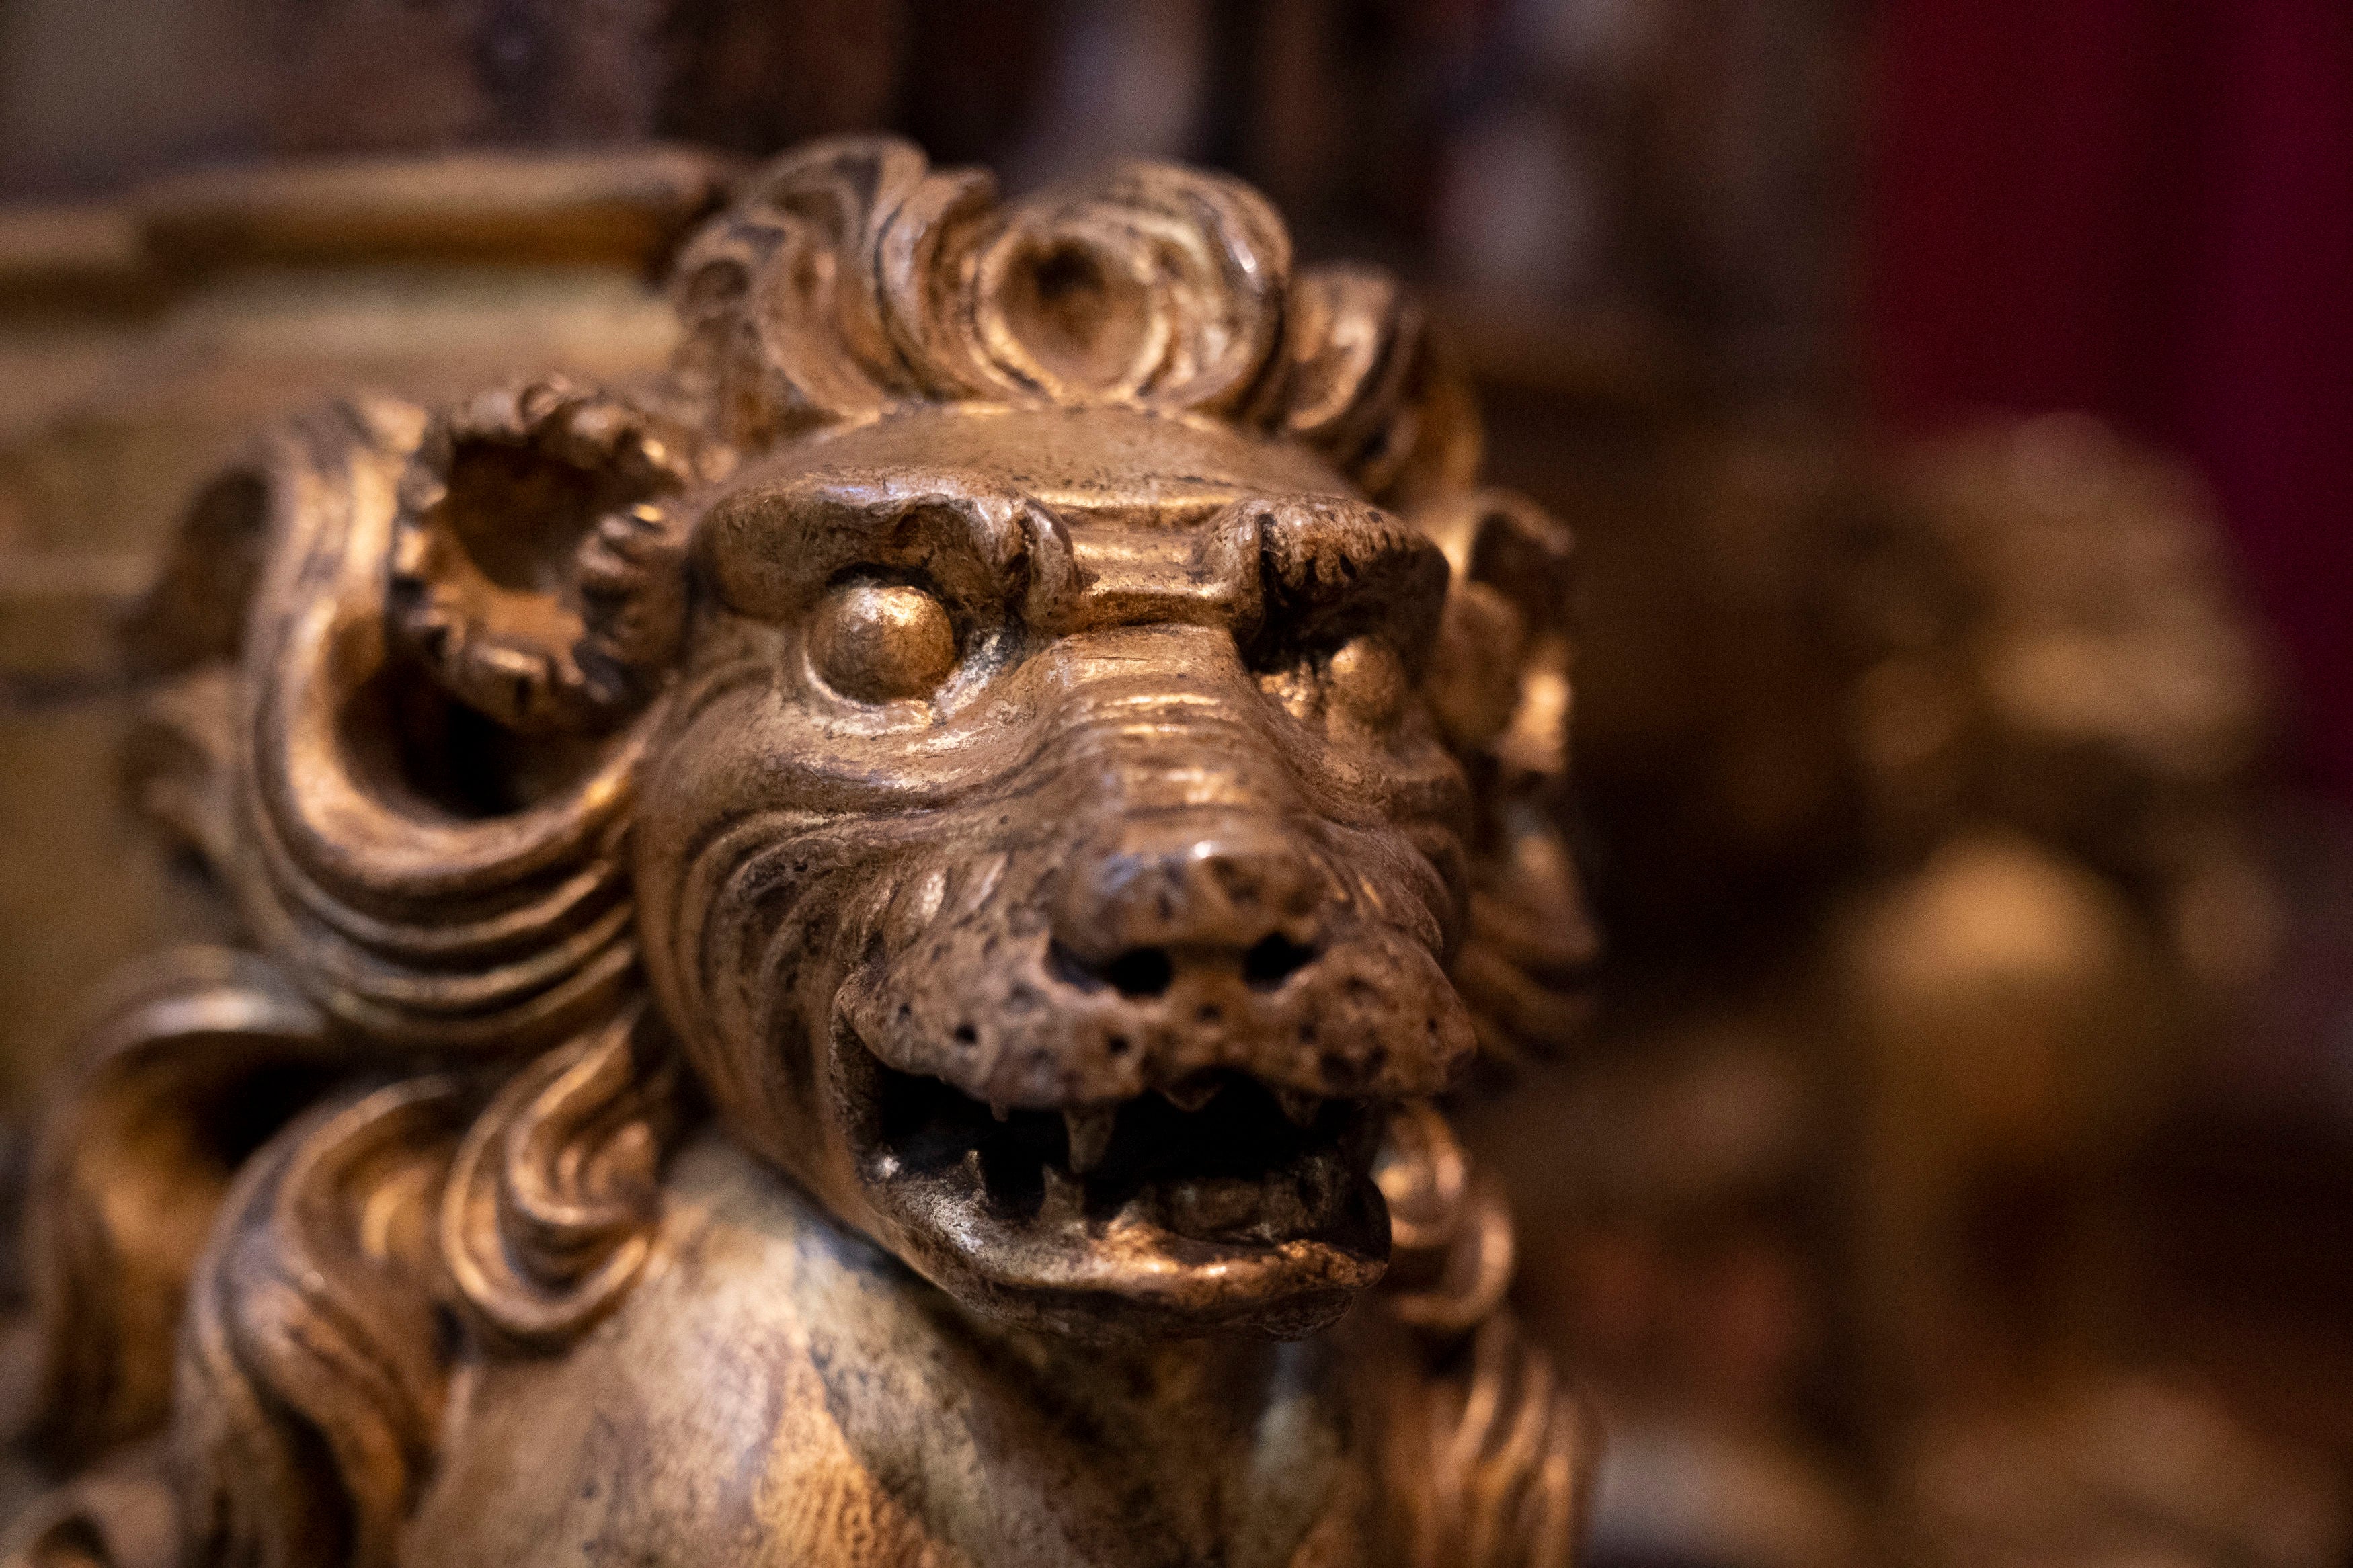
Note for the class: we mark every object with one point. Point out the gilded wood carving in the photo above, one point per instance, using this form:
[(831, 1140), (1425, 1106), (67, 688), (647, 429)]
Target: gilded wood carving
[(850, 952)]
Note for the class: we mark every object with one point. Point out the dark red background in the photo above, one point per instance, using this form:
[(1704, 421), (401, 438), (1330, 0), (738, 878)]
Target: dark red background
[(2143, 209)]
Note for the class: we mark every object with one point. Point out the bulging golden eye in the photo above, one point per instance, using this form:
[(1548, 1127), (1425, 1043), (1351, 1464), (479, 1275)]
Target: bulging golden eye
[(881, 642), (1369, 682)]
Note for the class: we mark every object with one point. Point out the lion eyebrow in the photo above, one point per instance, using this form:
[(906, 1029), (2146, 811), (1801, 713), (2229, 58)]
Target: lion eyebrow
[(772, 544), (994, 519)]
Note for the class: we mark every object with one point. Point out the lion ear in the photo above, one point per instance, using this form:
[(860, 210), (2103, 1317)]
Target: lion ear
[(420, 736), (536, 562), (1501, 679), (1500, 686)]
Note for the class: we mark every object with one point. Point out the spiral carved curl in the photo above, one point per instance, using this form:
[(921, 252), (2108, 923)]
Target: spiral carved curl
[(549, 1210), (853, 277)]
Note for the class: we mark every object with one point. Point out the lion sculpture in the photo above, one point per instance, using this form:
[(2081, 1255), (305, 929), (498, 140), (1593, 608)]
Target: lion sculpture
[(850, 953)]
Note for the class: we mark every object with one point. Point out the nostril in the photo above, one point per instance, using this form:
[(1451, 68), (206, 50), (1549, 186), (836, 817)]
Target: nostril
[(1273, 959), (1141, 971), (1138, 972)]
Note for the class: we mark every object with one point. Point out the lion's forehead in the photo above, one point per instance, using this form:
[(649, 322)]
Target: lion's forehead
[(1107, 464)]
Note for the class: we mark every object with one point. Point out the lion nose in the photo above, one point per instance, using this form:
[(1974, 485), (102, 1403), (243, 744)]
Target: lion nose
[(1165, 895)]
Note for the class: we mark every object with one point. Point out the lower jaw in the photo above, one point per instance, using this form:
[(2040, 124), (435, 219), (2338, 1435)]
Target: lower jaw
[(1172, 1258), (1128, 1278)]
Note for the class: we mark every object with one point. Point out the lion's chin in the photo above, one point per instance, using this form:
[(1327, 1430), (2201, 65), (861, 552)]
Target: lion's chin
[(1217, 1209)]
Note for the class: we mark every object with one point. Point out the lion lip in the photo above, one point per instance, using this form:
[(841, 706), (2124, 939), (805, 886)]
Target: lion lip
[(1218, 1196)]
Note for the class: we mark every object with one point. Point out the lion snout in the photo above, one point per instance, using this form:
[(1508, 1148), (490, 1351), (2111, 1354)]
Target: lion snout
[(1163, 947), (1159, 899)]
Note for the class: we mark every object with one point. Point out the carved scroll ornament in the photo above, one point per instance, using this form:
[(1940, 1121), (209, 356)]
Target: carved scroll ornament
[(853, 952)]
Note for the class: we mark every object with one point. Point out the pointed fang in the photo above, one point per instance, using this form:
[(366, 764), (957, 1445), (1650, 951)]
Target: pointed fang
[(1066, 1195), (1299, 1105), (1090, 1130)]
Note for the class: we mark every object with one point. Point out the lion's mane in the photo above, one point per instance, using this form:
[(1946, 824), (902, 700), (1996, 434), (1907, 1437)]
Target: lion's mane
[(435, 1103)]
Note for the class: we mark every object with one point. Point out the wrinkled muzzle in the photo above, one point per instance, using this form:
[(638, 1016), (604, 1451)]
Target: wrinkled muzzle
[(1144, 948), (1124, 1046)]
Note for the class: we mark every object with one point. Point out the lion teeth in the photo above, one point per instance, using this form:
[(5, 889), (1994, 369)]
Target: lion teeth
[(1211, 1205), (1065, 1196), (1193, 1093), (1299, 1105), (1090, 1131)]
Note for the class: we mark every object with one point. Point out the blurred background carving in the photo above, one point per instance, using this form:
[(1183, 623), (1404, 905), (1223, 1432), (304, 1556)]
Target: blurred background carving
[(1952, 404)]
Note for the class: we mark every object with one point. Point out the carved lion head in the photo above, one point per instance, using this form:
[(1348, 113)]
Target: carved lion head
[(1034, 693)]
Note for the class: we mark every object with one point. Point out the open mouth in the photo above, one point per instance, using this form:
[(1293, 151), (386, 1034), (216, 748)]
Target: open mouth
[(1222, 1201)]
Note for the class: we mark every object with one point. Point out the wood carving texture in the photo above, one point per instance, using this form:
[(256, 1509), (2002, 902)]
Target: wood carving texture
[(853, 954)]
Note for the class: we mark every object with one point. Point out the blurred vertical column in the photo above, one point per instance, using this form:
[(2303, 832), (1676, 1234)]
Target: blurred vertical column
[(2140, 208)]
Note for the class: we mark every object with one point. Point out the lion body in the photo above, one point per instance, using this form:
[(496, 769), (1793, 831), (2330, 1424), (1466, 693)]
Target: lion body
[(807, 1400)]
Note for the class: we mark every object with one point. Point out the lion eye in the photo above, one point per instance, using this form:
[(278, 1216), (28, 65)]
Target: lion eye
[(881, 642), (1369, 682)]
